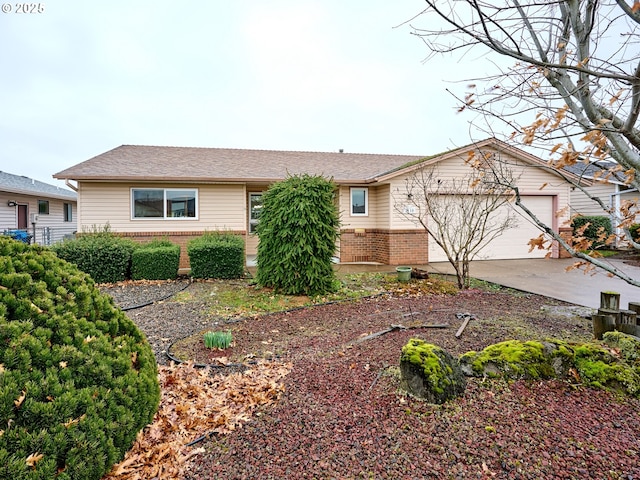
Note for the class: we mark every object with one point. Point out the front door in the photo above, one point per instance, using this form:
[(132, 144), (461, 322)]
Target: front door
[(23, 215)]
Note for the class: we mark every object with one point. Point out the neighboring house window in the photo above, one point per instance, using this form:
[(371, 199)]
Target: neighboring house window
[(68, 212), (255, 206), (163, 203), (359, 201), (43, 207)]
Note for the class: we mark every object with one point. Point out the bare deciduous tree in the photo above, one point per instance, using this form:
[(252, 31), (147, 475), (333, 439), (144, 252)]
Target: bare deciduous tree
[(460, 214), (572, 86)]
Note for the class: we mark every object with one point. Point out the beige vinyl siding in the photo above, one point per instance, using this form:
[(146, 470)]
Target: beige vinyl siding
[(50, 228), (348, 221), (530, 181), (220, 207), (581, 204)]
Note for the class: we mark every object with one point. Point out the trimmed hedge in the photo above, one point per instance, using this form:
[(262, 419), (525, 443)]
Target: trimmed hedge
[(104, 256), (216, 255), (599, 227), (78, 380), (157, 260)]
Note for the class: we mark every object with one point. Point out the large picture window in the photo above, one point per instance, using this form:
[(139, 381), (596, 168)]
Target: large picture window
[(359, 201), (164, 203), (255, 206)]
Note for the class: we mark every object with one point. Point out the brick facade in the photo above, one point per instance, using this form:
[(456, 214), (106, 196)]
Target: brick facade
[(388, 247)]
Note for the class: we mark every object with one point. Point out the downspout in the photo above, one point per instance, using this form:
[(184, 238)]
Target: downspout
[(614, 201), (70, 185)]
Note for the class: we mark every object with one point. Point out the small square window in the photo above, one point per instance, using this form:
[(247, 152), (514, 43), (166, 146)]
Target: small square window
[(43, 207), (359, 201)]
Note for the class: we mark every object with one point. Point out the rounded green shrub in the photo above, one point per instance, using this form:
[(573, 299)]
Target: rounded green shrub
[(597, 228), (78, 380), (156, 260), (216, 255), (104, 255), (298, 230)]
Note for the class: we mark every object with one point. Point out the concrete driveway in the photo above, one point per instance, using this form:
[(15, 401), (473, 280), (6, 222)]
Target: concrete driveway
[(549, 277)]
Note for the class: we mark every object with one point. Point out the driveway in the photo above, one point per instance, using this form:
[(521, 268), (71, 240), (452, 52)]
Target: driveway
[(549, 277)]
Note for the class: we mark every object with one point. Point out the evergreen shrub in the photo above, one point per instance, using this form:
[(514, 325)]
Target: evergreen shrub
[(104, 256), (598, 230), (78, 380), (216, 255), (298, 231), (156, 260)]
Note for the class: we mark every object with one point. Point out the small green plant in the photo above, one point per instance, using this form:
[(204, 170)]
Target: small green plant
[(219, 340)]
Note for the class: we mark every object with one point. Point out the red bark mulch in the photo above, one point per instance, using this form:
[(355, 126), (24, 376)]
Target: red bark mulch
[(342, 414)]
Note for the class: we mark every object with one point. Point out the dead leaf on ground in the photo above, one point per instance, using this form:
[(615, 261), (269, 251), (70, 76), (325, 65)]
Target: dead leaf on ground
[(195, 402)]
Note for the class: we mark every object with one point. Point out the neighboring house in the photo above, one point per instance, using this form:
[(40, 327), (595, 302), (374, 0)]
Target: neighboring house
[(46, 212), (597, 181), (146, 192)]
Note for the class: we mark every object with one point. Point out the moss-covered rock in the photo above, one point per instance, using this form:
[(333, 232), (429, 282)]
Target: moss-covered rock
[(429, 372), (614, 367), (516, 359), (628, 346), (600, 367), (77, 378)]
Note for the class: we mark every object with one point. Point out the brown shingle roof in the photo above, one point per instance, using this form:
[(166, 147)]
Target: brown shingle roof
[(189, 164)]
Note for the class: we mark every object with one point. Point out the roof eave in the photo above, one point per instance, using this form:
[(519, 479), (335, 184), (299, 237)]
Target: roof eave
[(32, 193)]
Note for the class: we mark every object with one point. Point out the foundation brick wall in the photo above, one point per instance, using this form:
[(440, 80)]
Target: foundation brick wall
[(389, 247), (179, 238)]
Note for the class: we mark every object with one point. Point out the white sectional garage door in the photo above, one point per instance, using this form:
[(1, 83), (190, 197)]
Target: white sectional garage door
[(513, 243)]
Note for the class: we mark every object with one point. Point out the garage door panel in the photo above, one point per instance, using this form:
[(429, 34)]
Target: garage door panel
[(513, 243)]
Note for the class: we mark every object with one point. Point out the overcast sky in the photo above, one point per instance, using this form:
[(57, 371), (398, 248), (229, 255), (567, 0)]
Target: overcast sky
[(81, 78)]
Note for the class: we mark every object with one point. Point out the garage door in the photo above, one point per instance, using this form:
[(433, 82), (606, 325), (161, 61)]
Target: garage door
[(513, 243)]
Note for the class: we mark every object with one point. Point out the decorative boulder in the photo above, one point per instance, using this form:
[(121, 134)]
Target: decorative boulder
[(613, 366), (520, 360), (430, 373)]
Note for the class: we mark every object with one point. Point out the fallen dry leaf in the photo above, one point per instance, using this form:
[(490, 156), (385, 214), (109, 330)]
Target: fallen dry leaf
[(18, 402), (33, 459), (195, 402)]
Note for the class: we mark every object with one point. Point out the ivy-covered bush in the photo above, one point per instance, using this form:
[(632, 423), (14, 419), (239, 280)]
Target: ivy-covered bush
[(634, 230), (156, 260), (598, 230), (77, 378), (216, 255), (298, 231), (104, 256)]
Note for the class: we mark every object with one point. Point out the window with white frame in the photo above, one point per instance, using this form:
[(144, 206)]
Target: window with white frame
[(255, 206), (359, 201), (164, 203)]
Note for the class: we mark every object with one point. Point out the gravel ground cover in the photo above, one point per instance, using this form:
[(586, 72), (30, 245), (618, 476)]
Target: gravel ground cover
[(343, 416)]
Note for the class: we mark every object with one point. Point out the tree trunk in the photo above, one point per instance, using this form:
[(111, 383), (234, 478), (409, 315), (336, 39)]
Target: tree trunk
[(627, 317), (610, 300), (609, 311), (602, 324), (635, 306)]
